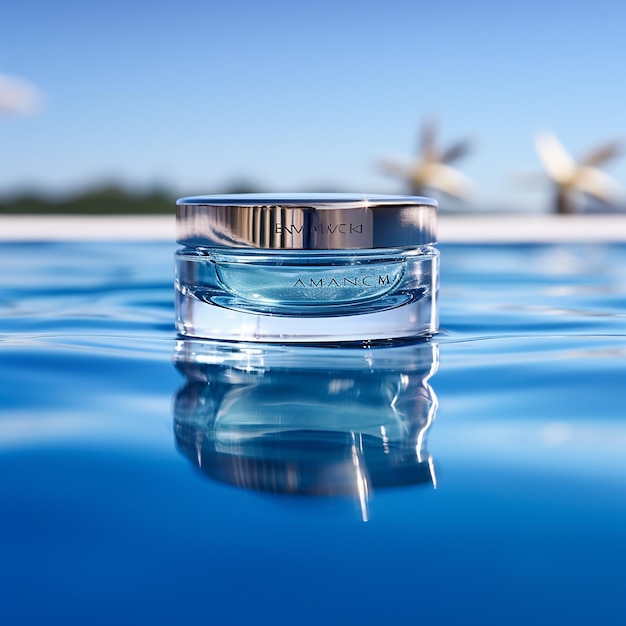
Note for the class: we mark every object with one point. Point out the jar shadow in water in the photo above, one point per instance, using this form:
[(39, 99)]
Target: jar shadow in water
[(307, 420)]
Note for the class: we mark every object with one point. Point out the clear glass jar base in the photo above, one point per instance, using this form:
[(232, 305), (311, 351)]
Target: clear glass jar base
[(198, 318)]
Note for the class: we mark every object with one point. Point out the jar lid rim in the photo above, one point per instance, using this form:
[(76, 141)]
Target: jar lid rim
[(318, 200), (306, 221)]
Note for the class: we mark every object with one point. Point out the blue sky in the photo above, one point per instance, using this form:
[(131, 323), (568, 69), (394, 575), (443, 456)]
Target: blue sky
[(294, 96)]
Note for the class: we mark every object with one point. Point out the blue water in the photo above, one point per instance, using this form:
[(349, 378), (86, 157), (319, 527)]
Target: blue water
[(515, 512)]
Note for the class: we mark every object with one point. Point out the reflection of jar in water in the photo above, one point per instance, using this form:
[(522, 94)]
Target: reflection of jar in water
[(307, 420)]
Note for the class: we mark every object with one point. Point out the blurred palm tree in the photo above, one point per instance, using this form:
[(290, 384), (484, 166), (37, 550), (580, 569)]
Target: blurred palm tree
[(573, 180), (17, 95), (431, 168)]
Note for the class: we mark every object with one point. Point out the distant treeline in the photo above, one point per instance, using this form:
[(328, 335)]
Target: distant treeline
[(109, 199), (103, 200)]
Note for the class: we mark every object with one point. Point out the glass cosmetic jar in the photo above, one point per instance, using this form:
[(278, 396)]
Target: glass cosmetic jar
[(306, 268)]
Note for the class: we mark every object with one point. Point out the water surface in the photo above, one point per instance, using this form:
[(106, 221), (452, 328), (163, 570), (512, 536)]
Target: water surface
[(512, 511)]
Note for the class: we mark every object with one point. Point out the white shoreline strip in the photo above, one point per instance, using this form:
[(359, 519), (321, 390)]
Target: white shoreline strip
[(532, 228), (452, 228), (87, 228)]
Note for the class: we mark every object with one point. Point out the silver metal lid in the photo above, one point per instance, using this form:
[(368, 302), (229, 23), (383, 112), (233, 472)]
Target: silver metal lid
[(306, 221)]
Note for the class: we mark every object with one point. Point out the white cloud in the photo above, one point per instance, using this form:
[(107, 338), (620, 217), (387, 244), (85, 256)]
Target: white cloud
[(18, 95)]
